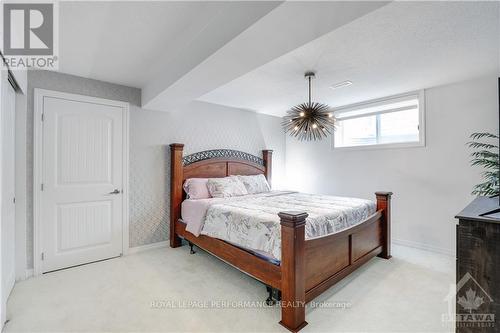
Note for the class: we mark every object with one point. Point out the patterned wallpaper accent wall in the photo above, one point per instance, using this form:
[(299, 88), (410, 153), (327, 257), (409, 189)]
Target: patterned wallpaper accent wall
[(200, 126)]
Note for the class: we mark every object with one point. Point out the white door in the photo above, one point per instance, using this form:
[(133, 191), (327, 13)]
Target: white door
[(82, 204), (8, 208)]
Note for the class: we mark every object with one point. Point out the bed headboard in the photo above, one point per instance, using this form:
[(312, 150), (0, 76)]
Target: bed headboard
[(210, 164)]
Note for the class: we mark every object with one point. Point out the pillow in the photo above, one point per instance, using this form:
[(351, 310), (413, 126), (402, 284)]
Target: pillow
[(255, 184), (196, 188), (225, 187)]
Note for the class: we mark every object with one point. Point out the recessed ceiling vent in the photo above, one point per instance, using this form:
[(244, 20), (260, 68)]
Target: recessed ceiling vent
[(341, 84)]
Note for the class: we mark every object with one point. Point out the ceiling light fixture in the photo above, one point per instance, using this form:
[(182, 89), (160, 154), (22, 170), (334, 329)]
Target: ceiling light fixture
[(341, 84), (311, 120)]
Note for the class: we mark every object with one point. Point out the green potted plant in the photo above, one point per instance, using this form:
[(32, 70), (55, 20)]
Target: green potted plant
[(486, 156)]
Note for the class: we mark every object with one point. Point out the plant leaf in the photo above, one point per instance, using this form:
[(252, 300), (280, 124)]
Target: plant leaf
[(485, 153), (487, 157), (480, 135)]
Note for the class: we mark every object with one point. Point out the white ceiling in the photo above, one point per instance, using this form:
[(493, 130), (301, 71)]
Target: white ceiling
[(400, 47), (130, 43), (288, 26), (253, 54), (177, 51)]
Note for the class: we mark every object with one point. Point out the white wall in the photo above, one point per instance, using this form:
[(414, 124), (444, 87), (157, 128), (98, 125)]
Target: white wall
[(2, 305), (199, 126), (21, 186), (431, 184)]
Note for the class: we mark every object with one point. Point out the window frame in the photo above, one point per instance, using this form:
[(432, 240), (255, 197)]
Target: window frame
[(420, 94)]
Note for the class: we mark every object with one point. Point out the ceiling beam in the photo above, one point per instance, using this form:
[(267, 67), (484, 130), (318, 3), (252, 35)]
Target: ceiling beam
[(287, 27)]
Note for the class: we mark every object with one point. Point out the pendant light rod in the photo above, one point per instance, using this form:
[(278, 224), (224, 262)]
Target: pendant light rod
[(309, 76), (309, 90)]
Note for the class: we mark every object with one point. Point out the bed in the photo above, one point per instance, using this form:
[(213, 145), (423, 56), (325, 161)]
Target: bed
[(309, 258)]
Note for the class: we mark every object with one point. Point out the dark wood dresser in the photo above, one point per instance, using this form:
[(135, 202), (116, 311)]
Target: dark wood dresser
[(478, 268)]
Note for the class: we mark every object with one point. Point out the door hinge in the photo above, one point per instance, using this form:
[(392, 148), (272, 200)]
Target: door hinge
[(14, 200), (41, 187), (43, 116), (43, 256)]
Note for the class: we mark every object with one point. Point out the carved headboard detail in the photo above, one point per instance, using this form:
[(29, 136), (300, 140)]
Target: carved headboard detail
[(211, 164), (221, 153)]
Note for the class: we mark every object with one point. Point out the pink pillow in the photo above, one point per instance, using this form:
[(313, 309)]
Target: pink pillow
[(196, 188)]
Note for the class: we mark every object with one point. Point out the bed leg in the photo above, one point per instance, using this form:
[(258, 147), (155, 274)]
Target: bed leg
[(384, 203), (274, 295), (191, 250), (175, 241), (270, 301), (293, 293)]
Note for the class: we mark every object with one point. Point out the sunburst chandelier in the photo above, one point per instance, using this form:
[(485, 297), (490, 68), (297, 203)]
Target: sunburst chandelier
[(309, 121)]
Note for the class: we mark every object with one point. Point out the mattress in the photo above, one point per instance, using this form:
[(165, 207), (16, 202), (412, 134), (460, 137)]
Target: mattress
[(252, 221), (193, 212)]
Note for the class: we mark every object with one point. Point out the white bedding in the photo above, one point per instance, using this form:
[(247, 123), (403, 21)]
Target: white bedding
[(252, 221), (193, 212)]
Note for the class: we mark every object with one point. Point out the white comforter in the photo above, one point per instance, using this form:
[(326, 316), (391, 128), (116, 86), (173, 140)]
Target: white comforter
[(252, 222)]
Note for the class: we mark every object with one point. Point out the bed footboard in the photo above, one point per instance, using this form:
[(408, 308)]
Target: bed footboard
[(310, 267), (293, 292), (384, 205)]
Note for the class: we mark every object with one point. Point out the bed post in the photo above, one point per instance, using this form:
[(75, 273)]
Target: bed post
[(267, 156), (384, 204), (175, 190), (293, 292)]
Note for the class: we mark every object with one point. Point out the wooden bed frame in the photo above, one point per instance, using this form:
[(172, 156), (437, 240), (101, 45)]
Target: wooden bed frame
[(308, 267)]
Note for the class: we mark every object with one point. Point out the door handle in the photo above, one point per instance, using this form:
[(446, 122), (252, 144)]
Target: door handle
[(116, 191)]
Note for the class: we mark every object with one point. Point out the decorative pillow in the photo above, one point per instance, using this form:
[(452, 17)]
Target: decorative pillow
[(255, 184), (196, 188), (226, 187)]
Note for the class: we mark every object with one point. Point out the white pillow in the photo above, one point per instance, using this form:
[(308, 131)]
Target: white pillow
[(255, 184), (226, 187), (196, 188)]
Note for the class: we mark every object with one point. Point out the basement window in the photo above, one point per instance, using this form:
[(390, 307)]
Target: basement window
[(392, 122)]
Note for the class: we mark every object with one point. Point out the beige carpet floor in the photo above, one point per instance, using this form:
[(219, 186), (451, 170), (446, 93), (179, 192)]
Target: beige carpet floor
[(169, 290)]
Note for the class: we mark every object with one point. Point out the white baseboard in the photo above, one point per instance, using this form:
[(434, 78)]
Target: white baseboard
[(423, 246), (147, 247), (29, 274)]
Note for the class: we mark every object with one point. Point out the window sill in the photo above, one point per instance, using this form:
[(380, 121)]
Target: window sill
[(381, 146)]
